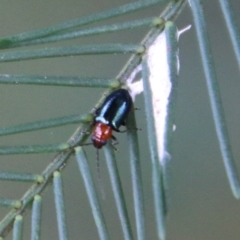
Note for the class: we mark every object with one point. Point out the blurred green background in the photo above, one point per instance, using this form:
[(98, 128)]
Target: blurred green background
[(201, 203)]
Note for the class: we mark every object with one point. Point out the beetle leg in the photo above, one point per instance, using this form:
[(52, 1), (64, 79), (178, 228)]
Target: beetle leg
[(115, 142), (122, 131)]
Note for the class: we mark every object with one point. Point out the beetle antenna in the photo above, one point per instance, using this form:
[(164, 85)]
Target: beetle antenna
[(87, 144), (100, 183), (98, 165)]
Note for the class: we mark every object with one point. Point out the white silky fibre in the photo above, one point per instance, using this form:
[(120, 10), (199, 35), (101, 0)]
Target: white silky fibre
[(160, 86), (136, 87)]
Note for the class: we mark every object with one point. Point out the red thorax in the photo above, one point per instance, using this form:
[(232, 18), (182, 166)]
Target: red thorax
[(101, 134)]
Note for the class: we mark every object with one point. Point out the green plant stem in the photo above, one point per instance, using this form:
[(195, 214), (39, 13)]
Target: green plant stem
[(68, 51), (118, 192), (18, 228), (10, 203), (60, 206), (92, 195), (173, 10), (171, 34), (22, 177), (137, 186), (36, 218), (157, 177), (232, 27), (33, 149), (54, 122), (57, 81)]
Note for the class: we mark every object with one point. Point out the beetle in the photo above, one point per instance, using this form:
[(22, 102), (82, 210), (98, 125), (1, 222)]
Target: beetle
[(111, 116)]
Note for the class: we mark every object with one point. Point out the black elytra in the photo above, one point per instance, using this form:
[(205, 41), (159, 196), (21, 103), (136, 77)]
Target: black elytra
[(114, 109)]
